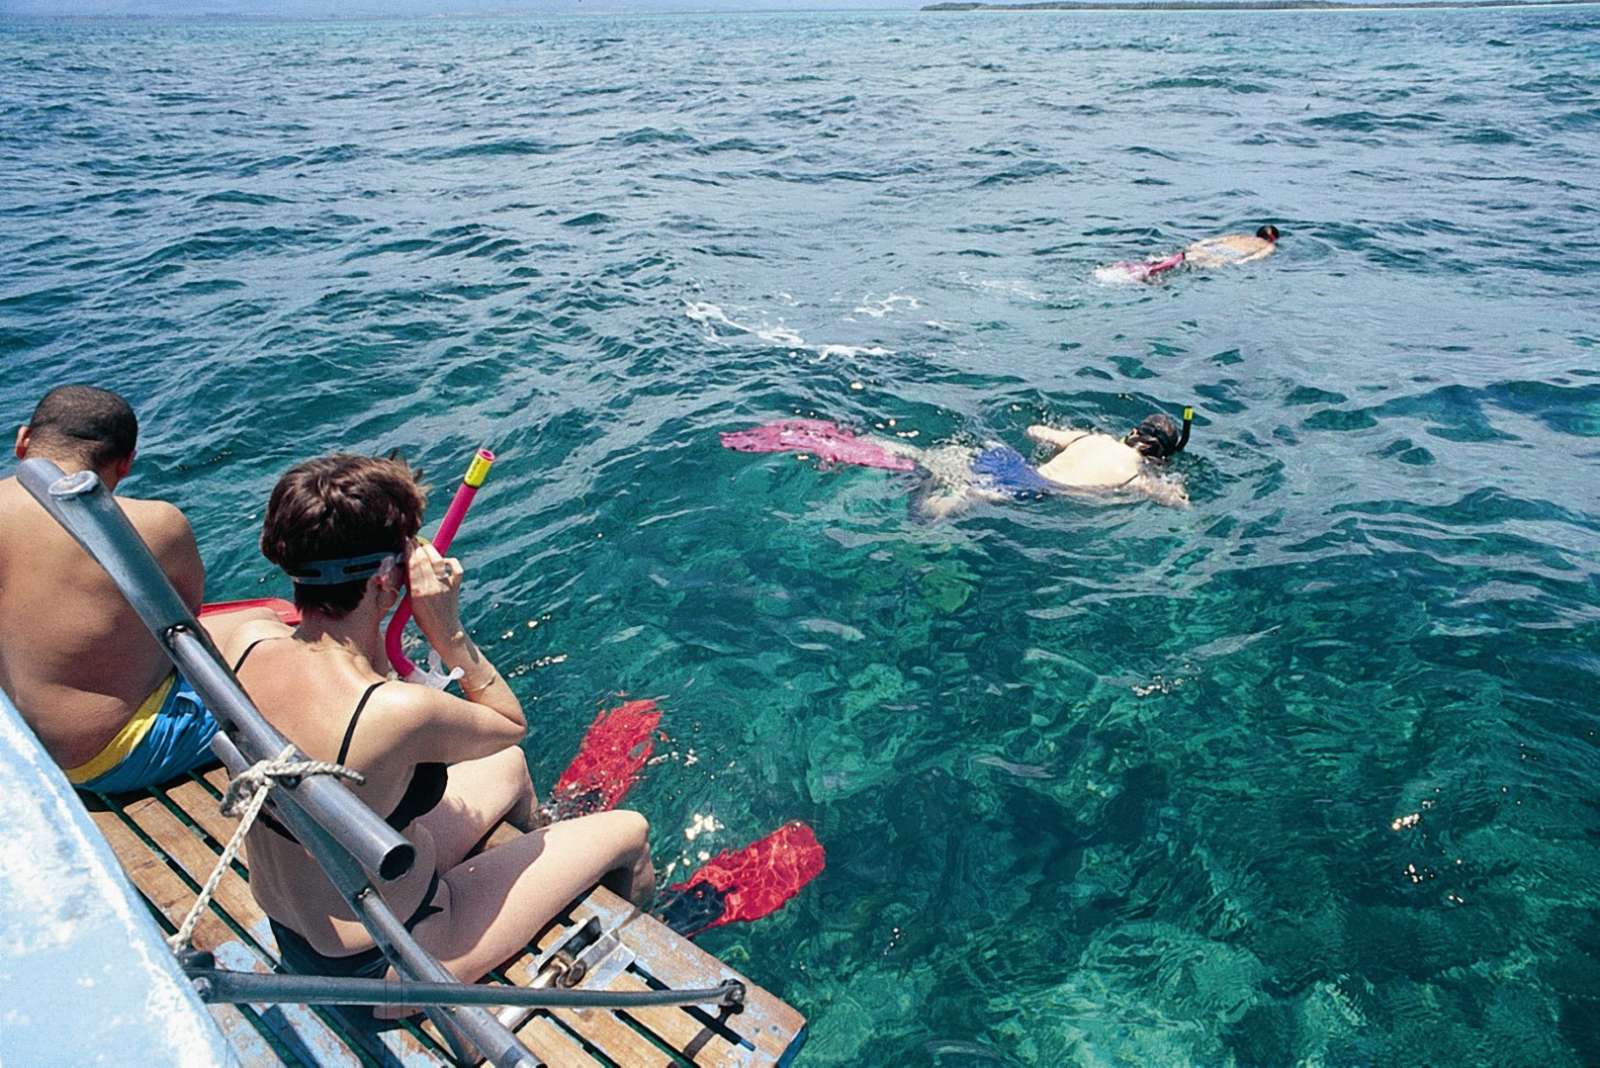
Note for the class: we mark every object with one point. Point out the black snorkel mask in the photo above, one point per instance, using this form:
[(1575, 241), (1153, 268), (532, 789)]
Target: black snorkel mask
[(1158, 437)]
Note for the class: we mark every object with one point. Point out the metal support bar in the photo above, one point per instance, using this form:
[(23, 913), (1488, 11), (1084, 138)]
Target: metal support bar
[(220, 985)]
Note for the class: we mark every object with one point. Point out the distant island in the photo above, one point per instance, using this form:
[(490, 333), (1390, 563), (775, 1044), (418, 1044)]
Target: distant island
[(1244, 5)]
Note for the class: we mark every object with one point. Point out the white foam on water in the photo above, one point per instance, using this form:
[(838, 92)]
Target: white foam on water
[(851, 351), (719, 326), (880, 308), (1116, 274), (1011, 287), (712, 316)]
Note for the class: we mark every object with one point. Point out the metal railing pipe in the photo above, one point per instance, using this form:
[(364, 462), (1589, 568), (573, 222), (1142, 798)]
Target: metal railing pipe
[(253, 988)]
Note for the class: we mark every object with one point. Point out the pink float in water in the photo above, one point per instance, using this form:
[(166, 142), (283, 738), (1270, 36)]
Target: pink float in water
[(824, 440)]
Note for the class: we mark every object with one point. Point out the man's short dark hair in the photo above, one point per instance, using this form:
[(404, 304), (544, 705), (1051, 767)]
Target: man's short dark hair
[(91, 424)]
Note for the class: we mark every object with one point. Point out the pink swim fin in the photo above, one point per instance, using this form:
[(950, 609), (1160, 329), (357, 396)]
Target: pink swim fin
[(824, 440), (738, 887), (1150, 269), (614, 751)]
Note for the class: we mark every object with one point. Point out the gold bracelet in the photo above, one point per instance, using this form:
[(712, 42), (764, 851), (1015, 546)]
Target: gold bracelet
[(467, 687)]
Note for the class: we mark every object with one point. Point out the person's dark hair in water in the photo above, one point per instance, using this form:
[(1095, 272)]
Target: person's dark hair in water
[(1268, 233), (89, 424), (1156, 438)]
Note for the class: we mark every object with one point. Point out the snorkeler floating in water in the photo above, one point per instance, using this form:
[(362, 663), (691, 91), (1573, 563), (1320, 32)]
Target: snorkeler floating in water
[(1088, 461), (1222, 251)]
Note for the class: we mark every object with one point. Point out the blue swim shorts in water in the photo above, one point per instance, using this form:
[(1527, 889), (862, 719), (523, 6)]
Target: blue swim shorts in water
[(169, 734), (1006, 469)]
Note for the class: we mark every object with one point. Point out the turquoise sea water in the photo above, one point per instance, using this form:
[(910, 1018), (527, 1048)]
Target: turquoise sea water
[(1303, 774)]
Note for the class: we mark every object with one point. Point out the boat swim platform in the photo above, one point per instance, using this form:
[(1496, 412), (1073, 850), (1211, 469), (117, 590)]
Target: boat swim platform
[(169, 839)]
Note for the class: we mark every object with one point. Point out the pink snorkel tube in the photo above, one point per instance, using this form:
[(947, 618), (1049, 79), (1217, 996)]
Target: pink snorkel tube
[(477, 472)]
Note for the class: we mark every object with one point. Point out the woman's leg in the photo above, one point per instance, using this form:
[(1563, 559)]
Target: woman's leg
[(480, 793), (498, 900)]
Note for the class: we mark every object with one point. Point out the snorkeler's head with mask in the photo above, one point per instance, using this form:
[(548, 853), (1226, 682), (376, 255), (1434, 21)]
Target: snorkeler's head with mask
[(1159, 436)]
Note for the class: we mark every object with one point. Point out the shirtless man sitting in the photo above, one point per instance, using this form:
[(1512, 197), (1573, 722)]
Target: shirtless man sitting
[(74, 658)]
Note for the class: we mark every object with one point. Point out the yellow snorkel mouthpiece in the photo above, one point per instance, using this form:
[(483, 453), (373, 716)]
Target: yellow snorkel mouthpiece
[(478, 469)]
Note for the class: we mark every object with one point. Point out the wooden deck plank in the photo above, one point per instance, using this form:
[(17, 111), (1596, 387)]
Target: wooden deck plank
[(192, 855), (673, 1027), (547, 1041), (158, 883), (613, 1036), (295, 1026), (600, 1028), (553, 1045), (197, 803), (768, 1023)]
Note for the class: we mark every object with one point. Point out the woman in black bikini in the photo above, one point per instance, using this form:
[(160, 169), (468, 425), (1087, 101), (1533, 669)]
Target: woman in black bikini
[(445, 770)]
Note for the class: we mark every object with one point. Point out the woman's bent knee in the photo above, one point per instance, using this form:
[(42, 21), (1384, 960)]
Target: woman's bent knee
[(631, 828)]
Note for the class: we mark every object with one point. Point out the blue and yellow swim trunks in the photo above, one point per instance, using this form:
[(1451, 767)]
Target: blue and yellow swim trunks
[(169, 734)]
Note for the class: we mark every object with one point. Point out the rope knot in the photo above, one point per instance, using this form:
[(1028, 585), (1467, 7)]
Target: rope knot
[(244, 797), (255, 779)]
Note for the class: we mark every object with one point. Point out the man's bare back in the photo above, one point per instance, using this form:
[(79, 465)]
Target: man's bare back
[(73, 655)]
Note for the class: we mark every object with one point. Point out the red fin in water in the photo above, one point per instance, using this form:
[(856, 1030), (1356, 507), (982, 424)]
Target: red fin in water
[(614, 751), (747, 885), (286, 611)]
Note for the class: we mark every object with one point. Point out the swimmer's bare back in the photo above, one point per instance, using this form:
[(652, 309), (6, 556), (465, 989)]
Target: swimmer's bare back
[(1232, 249), (1091, 461)]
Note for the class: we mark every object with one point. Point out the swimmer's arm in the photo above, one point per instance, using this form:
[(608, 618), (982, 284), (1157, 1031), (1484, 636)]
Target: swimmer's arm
[(1259, 254), (1165, 491), (435, 726), (1049, 435)]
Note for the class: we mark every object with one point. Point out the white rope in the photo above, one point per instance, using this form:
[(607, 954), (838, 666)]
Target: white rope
[(244, 797)]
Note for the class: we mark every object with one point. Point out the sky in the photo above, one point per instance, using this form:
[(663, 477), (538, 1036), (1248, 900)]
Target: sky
[(419, 8)]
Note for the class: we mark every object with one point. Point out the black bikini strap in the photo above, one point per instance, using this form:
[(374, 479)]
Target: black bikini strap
[(350, 731), (248, 650)]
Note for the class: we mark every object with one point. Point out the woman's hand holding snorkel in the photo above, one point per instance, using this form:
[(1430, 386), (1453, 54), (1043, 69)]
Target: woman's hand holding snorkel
[(435, 582)]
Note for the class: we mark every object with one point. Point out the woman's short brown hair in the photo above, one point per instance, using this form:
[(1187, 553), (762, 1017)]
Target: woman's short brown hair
[(340, 506)]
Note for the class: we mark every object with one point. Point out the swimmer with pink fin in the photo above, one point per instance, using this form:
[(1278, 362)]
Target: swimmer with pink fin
[(1222, 251), (1085, 461)]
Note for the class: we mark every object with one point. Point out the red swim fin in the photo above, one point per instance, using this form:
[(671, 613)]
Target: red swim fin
[(747, 885), (614, 751), (286, 611)]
